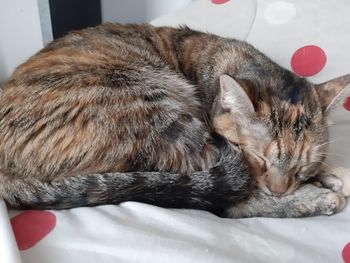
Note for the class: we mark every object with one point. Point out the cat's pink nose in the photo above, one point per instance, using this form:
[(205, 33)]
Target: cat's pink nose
[(278, 189)]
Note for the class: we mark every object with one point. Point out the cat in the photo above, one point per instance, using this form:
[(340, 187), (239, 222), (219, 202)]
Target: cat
[(168, 116)]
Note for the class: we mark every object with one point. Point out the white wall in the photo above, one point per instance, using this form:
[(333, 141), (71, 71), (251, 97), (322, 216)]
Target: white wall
[(20, 33), (138, 11)]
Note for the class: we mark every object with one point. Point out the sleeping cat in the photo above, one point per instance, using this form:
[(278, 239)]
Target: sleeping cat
[(168, 116)]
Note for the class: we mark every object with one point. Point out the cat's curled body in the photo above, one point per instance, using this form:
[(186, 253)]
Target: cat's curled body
[(109, 99), (116, 113)]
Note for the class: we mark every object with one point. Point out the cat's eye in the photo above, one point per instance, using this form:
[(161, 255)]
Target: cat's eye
[(299, 125), (297, 128), (258, 156), (301, 176), (262, 160)]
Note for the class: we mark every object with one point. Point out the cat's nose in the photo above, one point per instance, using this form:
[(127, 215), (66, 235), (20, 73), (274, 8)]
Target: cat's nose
[(278, 187)]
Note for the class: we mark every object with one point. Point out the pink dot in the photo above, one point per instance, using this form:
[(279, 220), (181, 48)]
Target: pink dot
[(346, 253), (32, 226), (219, 2), (346, 104), (308, 60)]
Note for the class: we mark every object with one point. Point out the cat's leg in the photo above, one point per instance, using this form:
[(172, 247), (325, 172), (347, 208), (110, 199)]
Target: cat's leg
[(329, 181), (335, 178), (308, 200)]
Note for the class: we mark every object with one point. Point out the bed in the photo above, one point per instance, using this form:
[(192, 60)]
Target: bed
[(312, 38)]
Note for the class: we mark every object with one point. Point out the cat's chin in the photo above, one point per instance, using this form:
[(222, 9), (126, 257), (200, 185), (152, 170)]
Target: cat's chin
[(267, 191)]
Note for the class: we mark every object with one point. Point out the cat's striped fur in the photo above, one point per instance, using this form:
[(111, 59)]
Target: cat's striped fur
[(116, 113)]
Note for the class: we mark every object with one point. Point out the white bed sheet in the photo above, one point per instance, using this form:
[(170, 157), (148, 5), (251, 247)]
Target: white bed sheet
[(135, 232)]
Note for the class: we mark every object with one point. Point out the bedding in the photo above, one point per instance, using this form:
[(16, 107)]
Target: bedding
[(312, 38)]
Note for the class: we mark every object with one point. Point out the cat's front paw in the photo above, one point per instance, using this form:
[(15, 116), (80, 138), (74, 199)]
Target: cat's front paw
[(311, 200), (331, 203), (329, 181), (344, 175)]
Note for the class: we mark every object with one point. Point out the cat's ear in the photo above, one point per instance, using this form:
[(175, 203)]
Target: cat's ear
[(238, 123), (233, 97), (333, 92)]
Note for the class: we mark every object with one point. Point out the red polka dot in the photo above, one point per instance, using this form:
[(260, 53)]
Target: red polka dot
[(32, 226), (219, 2), (346, 104), (346, 253), (308, 60)]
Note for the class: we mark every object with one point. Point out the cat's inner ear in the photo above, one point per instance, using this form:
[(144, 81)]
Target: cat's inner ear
[(237, 107), (233, 97), (333, 92)]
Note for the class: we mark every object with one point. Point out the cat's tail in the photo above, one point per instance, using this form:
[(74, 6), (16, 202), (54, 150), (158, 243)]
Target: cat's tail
[(213, 190)]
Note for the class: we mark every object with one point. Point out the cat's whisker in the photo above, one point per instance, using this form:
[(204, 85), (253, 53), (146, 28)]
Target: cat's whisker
[(339, 122), (324, 163), (334, 154), (331, 141), (322, 154), (325, 143)]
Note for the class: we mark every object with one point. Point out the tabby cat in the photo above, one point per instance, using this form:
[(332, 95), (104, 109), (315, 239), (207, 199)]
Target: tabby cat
[(168, 116)]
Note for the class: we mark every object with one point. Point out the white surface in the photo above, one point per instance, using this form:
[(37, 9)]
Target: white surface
[(45, 21), (8, 249), (279, 12), (232, 19), (20, 33), (134, 232), (138, 11), (316, 22)]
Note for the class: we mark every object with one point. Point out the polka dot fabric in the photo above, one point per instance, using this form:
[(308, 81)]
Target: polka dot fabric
[(279, 12), (346, 104), (346, 253), (308, 60), (31, 227), (219, 2)]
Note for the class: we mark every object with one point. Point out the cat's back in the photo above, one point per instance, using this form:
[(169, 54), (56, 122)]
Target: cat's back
[(108, 46), (99, 99)]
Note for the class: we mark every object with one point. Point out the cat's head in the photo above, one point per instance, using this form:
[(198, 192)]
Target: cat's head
[(281, 128)]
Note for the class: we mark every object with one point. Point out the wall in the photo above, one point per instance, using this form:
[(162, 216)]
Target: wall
[(20, 33), (137, 11)]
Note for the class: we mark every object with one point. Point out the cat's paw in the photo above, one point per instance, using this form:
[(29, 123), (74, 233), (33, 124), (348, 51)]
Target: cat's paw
[(313, 201), (329, 181), (331, 202), (342, 174), (346, 185)]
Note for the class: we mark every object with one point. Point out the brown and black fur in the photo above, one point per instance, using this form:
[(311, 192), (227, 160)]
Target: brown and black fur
[(103, 100), (128, 112)]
